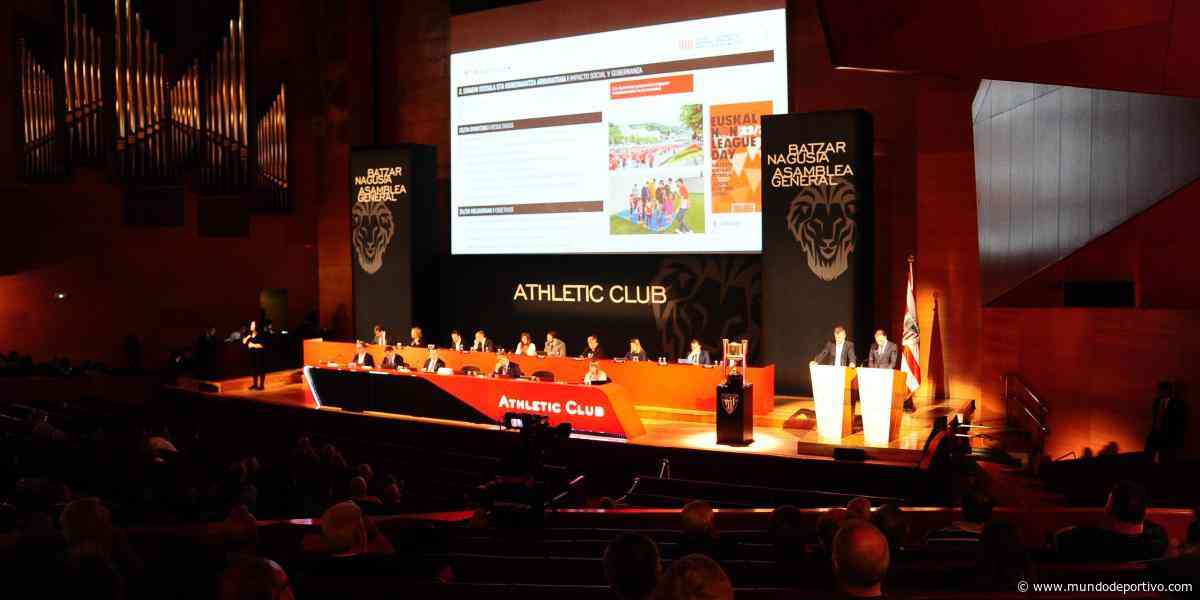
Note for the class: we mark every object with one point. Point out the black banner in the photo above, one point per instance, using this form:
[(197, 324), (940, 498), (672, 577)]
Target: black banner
[(663, 301), (385, 184), (817, 183)]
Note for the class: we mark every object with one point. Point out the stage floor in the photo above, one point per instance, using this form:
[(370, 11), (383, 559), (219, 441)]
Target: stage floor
[(788, 431)]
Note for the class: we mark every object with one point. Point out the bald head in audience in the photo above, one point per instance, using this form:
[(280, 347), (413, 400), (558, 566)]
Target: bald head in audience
[(632, 566), (696, 518), (694, 577), (343, 529), (860, 559)]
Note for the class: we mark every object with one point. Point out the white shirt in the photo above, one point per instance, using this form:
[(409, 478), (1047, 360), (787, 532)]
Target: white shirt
[(694, 357), (527, 349), (360, 358), (430, 364), (600, 376), (837, 353)]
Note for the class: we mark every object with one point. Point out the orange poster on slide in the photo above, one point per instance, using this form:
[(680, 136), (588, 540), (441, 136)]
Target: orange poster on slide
[(735, 141)]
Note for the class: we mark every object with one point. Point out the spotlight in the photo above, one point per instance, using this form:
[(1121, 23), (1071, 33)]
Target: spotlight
[(60, 296)]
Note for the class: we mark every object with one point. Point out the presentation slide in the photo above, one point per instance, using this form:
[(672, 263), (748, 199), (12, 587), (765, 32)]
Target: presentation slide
[(640, 140)]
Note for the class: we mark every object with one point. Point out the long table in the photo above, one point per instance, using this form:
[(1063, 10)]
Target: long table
[(604, 409), (648, 383)]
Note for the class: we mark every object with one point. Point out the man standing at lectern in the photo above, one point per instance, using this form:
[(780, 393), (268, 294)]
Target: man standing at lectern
[(884, 354), (839, 352)]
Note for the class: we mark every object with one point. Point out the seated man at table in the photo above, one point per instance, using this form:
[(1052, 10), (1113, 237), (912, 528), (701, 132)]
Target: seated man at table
[(506, 367), (555, 346), (594, 375), (884, 354), (698, 355), (594, 349), (456, 341), (362, 358), (416, 340), (391, 360), (432, 363), (635, 350), (380, 338), (482, 343)]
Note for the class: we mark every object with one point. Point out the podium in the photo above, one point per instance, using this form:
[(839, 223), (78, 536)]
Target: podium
[(735, 413), (831, 394), (881, 393)]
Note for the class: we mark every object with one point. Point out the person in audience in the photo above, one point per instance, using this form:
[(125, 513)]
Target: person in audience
[(632, 566), (694, 577), (976, 512), (371, 505), (415, 338), (256, 344), (554, 346), (456, 341), (894, 524), (785, 528), (859, 508), (698, 531), (594, 375), (391, 360), (255, 578), (860, 559), (698, 355), (525, 347), (240, 533), (1168, 424), (594, 350), (393, 497), (1124, 534), (365, 471), (839, 352), (828, 525), (432, 362), (345, 532), (380, 337), (87, 529), (482, 343), (884, 354), (505, 367), (1003, 560), (635, 350), (362, 358)]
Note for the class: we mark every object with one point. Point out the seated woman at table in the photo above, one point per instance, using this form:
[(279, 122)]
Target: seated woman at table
[(595, 376), (391, 360), (525, 347), (698, 355), (505, 367), (635, 350), (433, 363)]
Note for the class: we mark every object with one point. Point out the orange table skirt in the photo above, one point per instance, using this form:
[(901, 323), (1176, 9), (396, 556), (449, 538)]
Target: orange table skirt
[(648, 383)]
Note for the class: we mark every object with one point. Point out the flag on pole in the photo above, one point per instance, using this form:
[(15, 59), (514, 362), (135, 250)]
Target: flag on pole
[(911, 365)]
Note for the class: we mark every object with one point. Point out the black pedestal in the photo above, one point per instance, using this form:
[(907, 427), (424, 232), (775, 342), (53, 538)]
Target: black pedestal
[(735, 413)]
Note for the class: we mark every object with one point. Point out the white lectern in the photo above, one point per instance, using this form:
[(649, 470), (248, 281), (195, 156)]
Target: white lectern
[(881, 393), (831, 394)]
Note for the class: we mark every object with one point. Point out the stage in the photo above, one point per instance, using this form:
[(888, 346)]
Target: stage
[(787, 430)]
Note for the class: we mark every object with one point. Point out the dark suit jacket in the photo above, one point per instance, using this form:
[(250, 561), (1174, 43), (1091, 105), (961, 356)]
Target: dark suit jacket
[(368, 360), (425, 365), (1173, 424), (597, 354), (705, 359), (891, 356), (513, 371), (487, 346), (640, 355), (396, 362), (826, 355)]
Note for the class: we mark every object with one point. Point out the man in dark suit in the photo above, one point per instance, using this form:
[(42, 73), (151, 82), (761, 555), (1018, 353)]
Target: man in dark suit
[(482, 343), (456, 341), (391, 360), (839, 352), (380, 338), (362, 358), (555, 346), (636, 352), (1168, 422), (594, 350), (506, 367), (432, 363), (884, 354), (698, 355)]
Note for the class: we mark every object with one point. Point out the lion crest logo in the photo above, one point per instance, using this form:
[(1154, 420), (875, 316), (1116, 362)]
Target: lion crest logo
[(373, 231), (729, 402), (823, 220)]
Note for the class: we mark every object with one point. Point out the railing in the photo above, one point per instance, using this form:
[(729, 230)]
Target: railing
[(1023, 409)]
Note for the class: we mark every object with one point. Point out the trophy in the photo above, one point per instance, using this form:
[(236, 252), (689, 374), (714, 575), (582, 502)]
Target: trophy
[(735, 399), (734, 362)]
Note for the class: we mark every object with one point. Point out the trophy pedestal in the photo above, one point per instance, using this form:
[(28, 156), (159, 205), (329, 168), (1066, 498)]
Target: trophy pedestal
[(735, 413)]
